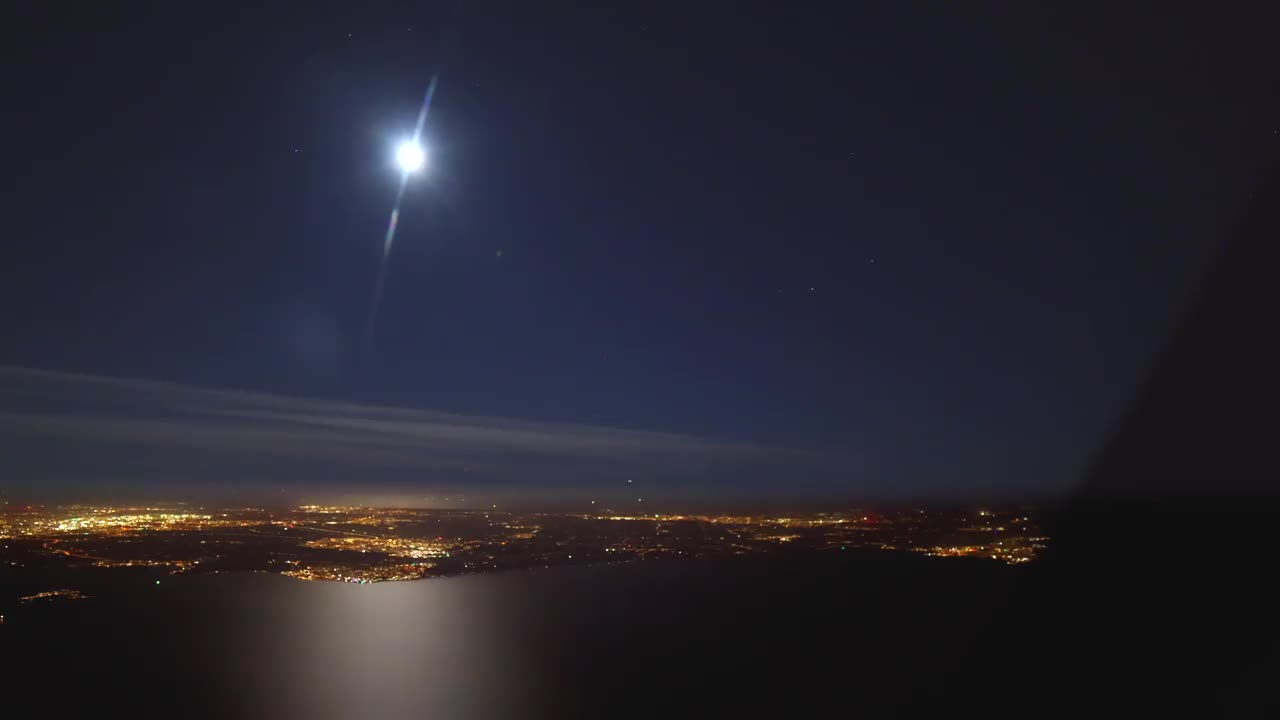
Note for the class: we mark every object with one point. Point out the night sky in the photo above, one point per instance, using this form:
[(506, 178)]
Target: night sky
[(892, 250)]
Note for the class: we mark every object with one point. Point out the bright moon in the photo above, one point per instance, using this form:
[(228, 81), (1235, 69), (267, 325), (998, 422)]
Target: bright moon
[(410, 156)]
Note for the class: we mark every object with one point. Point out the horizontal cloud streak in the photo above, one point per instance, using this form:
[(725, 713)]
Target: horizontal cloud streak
[(76, 429)]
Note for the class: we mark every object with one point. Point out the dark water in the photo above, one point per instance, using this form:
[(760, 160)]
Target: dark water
[(645, 639)]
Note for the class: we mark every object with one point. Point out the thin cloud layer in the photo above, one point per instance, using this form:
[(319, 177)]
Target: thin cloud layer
[(60, 430)]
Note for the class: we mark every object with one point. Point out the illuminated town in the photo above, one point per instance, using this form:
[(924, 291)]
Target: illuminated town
[(367, 545)]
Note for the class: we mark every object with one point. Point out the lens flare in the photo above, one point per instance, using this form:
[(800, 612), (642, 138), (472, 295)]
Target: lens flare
[(411, 158)]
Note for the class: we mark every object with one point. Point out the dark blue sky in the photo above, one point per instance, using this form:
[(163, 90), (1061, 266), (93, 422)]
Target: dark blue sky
[(942, 243)]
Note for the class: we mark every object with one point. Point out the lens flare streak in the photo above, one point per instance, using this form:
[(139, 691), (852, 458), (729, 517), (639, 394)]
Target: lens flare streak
[(394, 222)]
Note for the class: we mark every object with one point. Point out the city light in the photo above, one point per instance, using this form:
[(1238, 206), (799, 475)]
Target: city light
[(365, 545)]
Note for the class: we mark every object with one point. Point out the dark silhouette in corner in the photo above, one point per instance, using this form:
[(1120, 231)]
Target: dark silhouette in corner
[(1156, 593)]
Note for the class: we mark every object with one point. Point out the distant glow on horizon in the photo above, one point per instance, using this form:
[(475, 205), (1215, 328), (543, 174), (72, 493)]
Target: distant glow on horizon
[(410, 156)]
